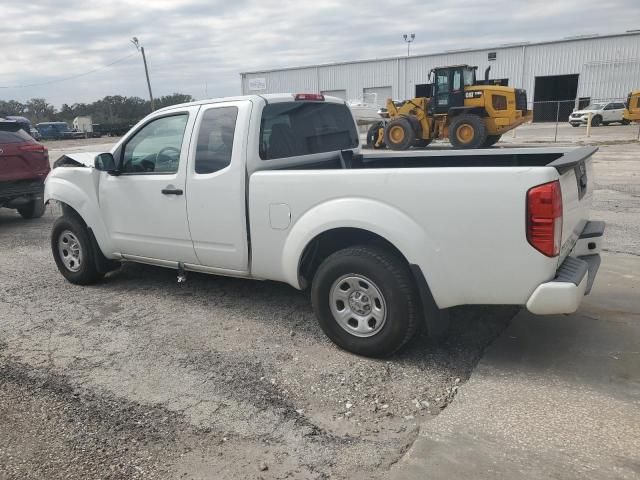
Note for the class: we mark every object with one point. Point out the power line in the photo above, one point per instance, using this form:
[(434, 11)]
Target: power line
[(64, 79)]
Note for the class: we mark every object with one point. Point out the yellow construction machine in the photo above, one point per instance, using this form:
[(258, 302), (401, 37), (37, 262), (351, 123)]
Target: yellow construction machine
[(632, 108), (471, 113)]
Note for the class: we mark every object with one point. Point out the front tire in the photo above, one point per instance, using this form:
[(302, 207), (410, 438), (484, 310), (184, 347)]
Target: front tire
[(73, 252), (34, 209), (399, 134), (467, 131), (365, 300), (596, 121)]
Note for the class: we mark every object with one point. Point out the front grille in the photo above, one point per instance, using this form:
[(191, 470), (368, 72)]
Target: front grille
[(521, 100), (21, 187)]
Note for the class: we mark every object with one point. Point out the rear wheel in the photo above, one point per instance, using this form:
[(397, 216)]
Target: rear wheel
[(372, 136), (596, 121), (491, 140), (625, 122), (73, 252), (467, 131), (34, 209), (365, 300), (399, 134)]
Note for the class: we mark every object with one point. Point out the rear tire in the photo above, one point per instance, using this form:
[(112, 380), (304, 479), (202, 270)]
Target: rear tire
[(467, 131), (491, 140), (399, 134), (596, 121), (34, 209), (73, 252), (366, 301), (625, 122), (372, 136)]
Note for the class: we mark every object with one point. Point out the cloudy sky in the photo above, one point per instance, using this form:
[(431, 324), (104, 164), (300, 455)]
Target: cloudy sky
[(196, 44)]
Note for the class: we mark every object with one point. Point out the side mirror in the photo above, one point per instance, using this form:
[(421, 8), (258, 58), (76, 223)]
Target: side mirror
[(105, 162)]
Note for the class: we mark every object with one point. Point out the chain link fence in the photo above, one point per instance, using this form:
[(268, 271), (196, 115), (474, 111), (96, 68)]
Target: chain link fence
[(577, 121)]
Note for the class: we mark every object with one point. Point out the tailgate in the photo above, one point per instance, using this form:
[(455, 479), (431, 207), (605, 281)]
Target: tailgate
[(576, 182)]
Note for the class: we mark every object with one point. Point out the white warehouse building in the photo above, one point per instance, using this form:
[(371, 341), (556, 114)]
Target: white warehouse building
[(590, 67)]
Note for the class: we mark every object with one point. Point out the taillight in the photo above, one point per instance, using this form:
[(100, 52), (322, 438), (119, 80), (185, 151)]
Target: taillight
[(317, 97), (33, 147), (544, 218)]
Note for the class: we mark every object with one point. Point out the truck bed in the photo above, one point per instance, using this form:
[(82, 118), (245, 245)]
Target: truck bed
[(465, 213), (562, 159)]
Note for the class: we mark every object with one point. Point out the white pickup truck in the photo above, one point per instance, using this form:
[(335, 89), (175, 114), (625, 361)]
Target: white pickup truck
[(276, 187)]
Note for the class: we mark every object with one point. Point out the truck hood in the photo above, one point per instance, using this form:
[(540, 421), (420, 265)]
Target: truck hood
[(80, 159)]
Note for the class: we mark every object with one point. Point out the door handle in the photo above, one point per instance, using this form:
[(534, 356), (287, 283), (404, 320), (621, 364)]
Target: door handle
[(172, 191)]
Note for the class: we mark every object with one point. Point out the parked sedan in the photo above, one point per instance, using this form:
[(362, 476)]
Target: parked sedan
[(602, 113)]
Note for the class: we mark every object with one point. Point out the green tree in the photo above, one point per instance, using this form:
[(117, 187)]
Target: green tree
[(38, 110)]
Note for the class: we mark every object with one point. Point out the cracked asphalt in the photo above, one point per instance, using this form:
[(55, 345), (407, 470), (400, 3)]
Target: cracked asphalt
[(137, 377)]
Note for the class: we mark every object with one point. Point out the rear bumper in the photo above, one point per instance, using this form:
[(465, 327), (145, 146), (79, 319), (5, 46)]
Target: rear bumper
[(19, 188), (574, 278)]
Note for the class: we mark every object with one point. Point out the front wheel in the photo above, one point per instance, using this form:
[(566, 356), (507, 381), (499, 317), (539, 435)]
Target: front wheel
[(365, 300), (72, 251), (596, 121), (399, 134)]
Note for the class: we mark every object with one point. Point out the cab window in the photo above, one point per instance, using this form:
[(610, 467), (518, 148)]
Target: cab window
[(457, 80), (156, 147), (215, 139), (290, 129)]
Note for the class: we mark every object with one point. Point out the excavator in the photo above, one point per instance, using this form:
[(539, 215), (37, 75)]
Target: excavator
[(632, 108), (471, 113)]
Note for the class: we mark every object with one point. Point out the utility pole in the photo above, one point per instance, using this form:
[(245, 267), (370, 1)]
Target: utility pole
[(140, 48), (409, 38)]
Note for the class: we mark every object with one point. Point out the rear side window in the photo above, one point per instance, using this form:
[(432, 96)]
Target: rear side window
[(215, 139), (18, 136), (289, 129)]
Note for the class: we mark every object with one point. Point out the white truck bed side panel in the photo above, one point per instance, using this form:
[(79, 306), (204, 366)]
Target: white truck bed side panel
[(465, 227)]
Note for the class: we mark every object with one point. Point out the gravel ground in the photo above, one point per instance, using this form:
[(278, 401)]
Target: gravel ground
[(140, 377)]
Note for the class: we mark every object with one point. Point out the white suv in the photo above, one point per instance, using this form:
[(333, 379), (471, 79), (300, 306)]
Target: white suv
[(602, 113)]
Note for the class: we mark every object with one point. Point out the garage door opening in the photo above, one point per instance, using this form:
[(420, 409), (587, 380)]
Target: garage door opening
[(335, 93), (548, 91)]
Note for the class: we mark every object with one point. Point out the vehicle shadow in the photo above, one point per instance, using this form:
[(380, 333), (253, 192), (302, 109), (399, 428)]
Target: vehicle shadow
[(471, 328)]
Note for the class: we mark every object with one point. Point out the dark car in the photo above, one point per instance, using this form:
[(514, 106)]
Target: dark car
[(26, 125), (24, 165), (57, 131)]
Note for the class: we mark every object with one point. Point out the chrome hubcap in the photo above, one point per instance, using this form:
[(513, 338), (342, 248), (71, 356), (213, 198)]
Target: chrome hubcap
[(358, 306), (70, 251)]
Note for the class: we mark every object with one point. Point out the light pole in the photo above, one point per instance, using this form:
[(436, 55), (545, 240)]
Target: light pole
[(140, 48), (409, 38)]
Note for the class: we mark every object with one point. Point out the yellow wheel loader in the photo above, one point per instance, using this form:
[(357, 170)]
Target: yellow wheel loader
[(471, 113), (632, 108)]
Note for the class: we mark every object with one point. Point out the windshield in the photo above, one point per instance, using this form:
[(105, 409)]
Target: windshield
[(596, 106)]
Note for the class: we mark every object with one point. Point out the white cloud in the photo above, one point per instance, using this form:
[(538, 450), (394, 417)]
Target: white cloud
[(193, 42)]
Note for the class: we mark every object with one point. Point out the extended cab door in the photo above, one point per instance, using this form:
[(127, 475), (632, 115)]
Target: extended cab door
[(144, 207), (216, 186)]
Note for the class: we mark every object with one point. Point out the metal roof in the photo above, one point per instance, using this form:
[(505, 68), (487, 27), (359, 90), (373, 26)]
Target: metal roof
[(575, 38)]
